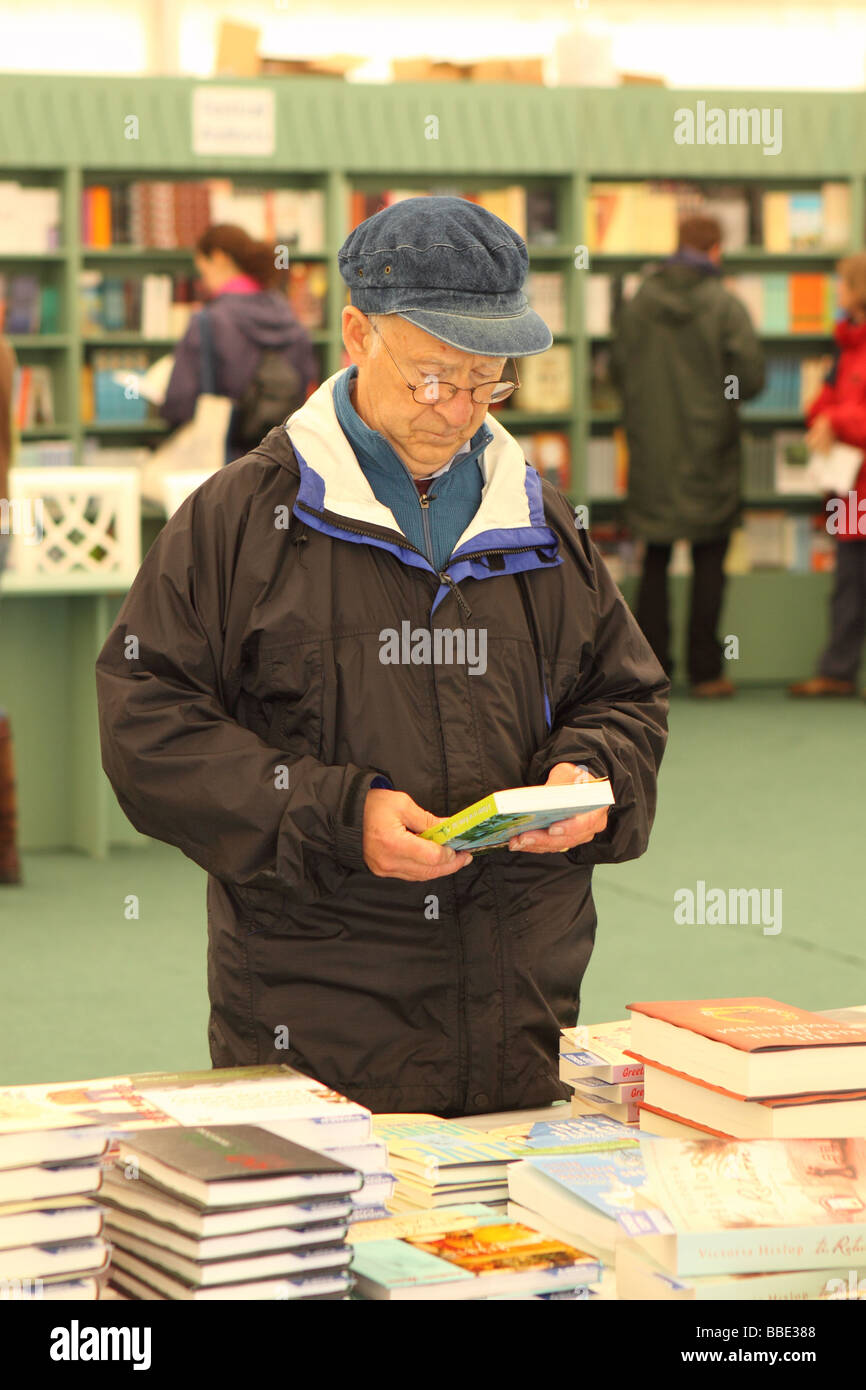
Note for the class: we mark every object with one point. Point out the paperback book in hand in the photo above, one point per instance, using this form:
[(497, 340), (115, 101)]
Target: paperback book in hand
[(492, 822)]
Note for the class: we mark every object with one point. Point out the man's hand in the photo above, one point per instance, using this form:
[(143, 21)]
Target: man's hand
[(392, 845), (564, 834), (821, 438)]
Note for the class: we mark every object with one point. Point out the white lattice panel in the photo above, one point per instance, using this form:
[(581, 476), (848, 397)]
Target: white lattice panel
[(73, 522)]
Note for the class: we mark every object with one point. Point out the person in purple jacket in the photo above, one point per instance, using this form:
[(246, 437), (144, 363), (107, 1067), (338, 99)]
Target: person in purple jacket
[(247, 315)]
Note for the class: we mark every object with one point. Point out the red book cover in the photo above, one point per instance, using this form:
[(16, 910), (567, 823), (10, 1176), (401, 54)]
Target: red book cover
[(752, 1025)]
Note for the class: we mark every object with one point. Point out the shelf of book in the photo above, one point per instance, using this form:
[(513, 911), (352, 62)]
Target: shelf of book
[(67, 134)]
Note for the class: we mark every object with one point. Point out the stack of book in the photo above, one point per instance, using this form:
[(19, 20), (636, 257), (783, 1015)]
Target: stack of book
[(467, 1252), (51, 1242), (107, 386), (579, 1197), (791, 385), (29, 218), (545, 383), (545, 290), (777, 1220), (32, 397), (643, 217), (227, 1212), (278, 1098), (532, 212), (173, 214), (440, 1163), (807, 219), (370, 1159), (155, 305), (603, 1076), (749, 1068), (787, 303), (27, 305), (781, 540)]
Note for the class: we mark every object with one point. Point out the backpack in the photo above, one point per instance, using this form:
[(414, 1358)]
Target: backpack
[(275, 391)]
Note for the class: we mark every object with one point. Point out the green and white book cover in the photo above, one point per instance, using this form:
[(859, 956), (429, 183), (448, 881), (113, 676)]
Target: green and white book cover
[(493, 821)]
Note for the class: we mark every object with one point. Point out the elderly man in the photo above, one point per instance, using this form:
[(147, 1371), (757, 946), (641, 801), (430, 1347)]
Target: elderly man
[(271, 700)]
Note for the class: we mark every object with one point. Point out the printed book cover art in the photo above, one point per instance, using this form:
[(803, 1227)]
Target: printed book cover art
[(610, 1183), (481, 827), (720, 1184), (120, 1103), (508, 1247), (599, 1046), (579, 1134), (753, 1024), (270, 1098), (440, 1143), (495, 830)]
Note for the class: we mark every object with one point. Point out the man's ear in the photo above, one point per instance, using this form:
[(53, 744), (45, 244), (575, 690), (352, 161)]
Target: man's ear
[(357, 333)]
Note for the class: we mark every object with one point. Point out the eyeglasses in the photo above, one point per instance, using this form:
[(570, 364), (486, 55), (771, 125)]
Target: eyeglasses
[(433, 391)]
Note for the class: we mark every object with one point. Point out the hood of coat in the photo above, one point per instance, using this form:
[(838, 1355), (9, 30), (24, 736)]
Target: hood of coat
[(334, 495), (676, 292), (264, 319)]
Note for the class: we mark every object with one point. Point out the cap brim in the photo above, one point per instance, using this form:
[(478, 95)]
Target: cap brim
[(517, 335)]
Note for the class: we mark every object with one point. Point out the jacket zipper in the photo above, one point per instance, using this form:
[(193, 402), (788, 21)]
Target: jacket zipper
[(446, 579), (424, 501)]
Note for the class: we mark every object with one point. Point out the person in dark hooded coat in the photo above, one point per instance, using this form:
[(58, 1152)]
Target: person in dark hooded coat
[(272, 722), (684, 355), (248, 316)]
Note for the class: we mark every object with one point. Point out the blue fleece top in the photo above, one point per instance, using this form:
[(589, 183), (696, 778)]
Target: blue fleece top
[(454, 497)]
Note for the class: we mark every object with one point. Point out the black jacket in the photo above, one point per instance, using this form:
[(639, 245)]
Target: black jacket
[(678, 343), (259, 649)]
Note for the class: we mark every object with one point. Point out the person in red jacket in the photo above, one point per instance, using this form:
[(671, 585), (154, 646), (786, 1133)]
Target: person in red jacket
[(838, 413)]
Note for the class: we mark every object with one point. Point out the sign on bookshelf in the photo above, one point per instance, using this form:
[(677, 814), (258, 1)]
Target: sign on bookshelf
[(233, 121)]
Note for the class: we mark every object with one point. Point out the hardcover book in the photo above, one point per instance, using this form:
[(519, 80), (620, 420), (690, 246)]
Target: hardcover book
[(234, 1165), (753, 1047)]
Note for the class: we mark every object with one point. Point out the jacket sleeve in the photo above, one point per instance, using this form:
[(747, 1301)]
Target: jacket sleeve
[(744, 356), (184, 386), (183, 769), (848, 420), (613, 720), (823, 402)]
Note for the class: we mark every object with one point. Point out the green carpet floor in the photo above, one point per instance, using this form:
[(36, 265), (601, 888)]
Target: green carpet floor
[(759, 792)]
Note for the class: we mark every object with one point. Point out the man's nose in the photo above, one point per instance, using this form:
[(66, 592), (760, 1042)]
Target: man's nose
[(459, 410)]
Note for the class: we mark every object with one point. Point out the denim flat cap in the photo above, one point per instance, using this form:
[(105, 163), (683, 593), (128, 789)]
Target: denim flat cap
[(451, 268)]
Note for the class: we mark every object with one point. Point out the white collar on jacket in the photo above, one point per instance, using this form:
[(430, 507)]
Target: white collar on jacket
[(315, 433)]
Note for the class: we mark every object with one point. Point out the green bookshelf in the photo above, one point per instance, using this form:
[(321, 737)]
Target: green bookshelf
[(67, 132)]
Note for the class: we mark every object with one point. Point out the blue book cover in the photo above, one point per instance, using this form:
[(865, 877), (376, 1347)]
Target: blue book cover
[(577, 1134), (610, 1183)]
